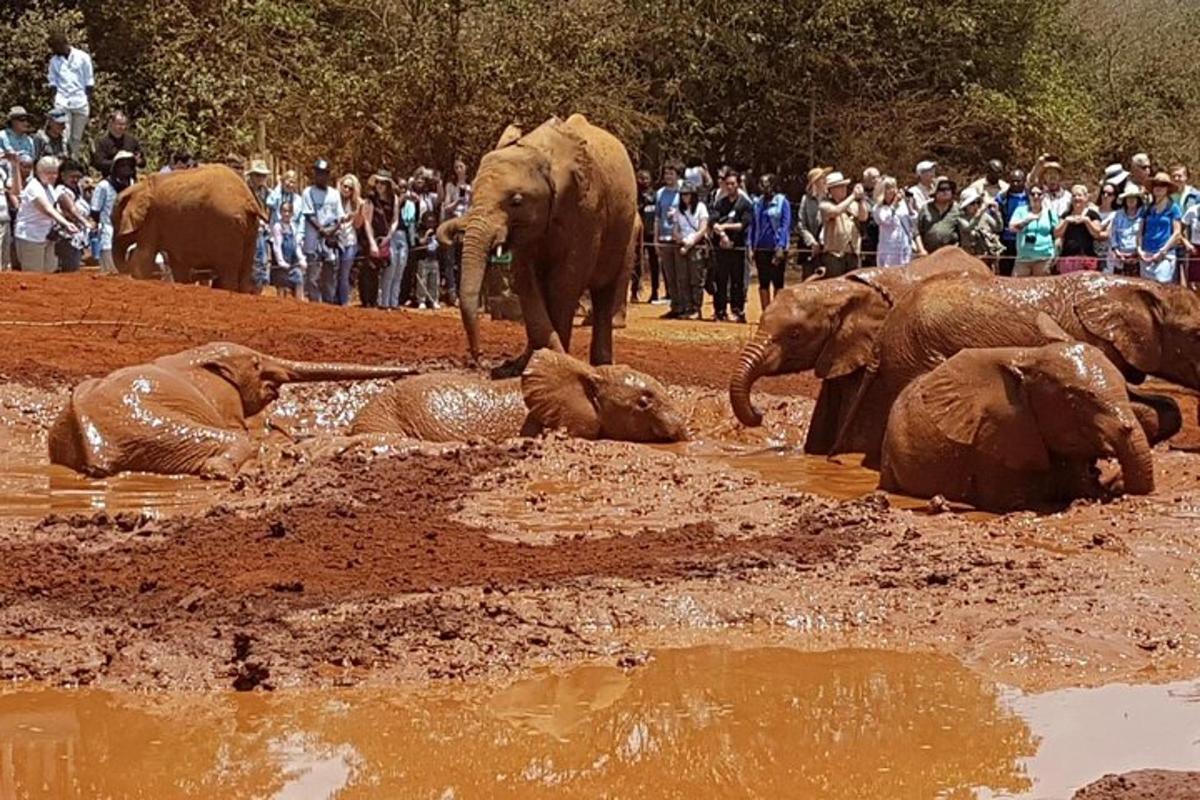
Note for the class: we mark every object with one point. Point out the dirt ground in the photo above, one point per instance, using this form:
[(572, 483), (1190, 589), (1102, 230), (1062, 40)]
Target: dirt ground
[(339, 561)]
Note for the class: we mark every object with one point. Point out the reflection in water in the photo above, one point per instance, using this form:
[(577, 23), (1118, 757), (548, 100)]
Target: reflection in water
[(704, 722), (29, 488)]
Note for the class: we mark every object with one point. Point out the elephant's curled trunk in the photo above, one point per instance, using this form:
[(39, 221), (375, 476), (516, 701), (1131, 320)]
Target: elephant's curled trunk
[(1136, 460), (481, 235), (315, 371), (757, 358)]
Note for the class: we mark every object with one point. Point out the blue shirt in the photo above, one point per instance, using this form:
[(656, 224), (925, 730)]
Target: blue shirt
[(1123, 232), (665, 199), (1009, 203), (1157, 227), (772, 223), (20, 142)]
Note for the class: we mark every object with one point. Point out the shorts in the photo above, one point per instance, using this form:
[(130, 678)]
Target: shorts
[(770, 274)]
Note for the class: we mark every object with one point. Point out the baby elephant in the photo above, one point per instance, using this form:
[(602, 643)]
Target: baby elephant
[(1010, 427), (183, 413), (555, 391)]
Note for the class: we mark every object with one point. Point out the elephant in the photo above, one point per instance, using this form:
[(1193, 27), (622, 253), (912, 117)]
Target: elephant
[(554, 391), (203, 219), (563, 200), (184, 413), (831, 326), (1142, 327), (1006, 428)]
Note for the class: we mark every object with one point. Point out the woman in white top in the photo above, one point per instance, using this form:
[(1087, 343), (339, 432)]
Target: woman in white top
[(691, 229), (355, 208), (37, 216), (895, 219)]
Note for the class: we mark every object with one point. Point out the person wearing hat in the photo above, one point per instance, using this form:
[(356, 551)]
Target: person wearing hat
[(116, 139), (691, 232), (1162, 231), (925, 188), (51, 139), (383, 242), (841, 215), (1124, 230), (1115, 175), (69, 250), (808, 219), (322, 211), (15, 136), (1048, 174), (256, 179), (104, 200), (11, 183), (72, 76), (937, 221), (979, 226)]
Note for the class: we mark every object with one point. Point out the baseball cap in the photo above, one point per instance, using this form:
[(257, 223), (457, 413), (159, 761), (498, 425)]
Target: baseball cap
[(926, 166), (320, 165), (58, 115)]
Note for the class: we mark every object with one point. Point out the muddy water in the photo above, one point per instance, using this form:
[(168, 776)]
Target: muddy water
[(704, 722)]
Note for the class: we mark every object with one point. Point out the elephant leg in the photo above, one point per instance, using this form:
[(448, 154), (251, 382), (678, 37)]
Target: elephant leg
[(1158, 414), (604, 303), (829, 413), (141, 263), (244, 282), (539, 328)]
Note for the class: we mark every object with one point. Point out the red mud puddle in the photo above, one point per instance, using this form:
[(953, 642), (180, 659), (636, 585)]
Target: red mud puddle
[(30, 489), (703, 722)]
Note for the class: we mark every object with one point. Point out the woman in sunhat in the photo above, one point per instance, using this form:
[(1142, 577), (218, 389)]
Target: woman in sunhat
[(1162, 229), (1125, 231), (808, 219)]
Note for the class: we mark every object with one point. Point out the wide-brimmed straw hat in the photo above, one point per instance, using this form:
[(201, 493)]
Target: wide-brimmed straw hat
[(1131, 190), (1052, 164), (816, 173), (258, 167), (17, 112), (836, 179), (1163, 179)]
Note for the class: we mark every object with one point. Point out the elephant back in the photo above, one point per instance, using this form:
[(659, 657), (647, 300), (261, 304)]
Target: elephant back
[(446, 408)]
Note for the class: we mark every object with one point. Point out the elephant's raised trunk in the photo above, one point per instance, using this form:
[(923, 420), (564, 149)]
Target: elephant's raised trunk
[(481, 235), (759, 357), (1137, 462), (314, 371), (448, 230)]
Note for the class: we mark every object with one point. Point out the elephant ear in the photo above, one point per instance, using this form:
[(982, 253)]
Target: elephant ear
[(133, 205), (856, 320), (510, 136), (985, 409), (561, 392), (1129, 319)]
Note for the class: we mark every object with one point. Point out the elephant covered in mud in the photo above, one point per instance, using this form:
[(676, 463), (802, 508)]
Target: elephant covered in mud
[(204, 219), (184, 413), (1010, 427), (563, 200), (555, 391), (1143, 328), (831, 327)]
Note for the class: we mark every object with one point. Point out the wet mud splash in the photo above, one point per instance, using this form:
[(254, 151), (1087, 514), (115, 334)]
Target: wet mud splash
[(703, 722)]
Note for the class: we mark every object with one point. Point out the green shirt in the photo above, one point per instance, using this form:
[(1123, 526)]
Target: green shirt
[(1035, 242)]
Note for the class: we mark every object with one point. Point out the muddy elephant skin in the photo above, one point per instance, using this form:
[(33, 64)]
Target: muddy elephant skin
[(831, 327), (555, 391), (563, 200), (182, 414), (1142, 327), (1010, 428), (204, 219)]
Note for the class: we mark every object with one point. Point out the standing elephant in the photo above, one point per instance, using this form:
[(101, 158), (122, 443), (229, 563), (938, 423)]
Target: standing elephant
[(555, 391), (183, 413), (831, 327), (1144, 328), (563, 200), (1011, 427), (203, 219)]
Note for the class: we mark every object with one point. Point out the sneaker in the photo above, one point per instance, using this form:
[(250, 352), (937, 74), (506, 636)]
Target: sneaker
[(720, 317), (654, 301), (436, 305), (740, 318), (422, 306)]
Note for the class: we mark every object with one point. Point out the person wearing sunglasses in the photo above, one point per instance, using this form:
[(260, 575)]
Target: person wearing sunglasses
[(1034, 227), (1106, 207)]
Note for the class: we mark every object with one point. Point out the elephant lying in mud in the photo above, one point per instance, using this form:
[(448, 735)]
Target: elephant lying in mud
[(555, 391), (831, 327), (184, 413), (1006, 428)]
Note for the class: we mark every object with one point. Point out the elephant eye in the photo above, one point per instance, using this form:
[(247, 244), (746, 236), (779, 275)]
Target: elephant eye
[(644, 402), (517, 199)]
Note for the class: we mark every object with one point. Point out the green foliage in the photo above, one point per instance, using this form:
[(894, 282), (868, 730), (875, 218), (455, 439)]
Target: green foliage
[(772, 85)]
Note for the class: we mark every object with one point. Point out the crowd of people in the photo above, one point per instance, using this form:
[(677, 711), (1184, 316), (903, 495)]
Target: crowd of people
[(703, 234)]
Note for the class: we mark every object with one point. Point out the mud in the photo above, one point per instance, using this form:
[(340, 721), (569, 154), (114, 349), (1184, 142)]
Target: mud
[(1150, 784)]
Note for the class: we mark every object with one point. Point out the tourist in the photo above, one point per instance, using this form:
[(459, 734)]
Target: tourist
[(647, 260), (39, 222), (322, 211), (808, 220), (10, 193), (896, 222), (69, 250), (730, 222), (770, 235), (870, 228), (1116, 176), (1048, 173), (1034, 226), (922, 192), (1078, 233), (698, 175), (937, 220), (427, 276), (992, 183), (455, 204), (841, 214), (1186, 195), (1125, 231), (15, 136), (286, 191), (71, 75), (1139, 169), (410, 218), (104, 200), (385, 245), (353, 220), (1162, 230), (116, 139), (979, 226), (1190, 266), (666, 205), (1008, 202), (691, 232), (256, 180), (51, 140), (287, 276), (1106, 207)]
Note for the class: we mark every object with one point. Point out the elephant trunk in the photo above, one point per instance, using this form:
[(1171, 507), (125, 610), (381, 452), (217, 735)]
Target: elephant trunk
[(760, 356), (481, 235), (1137, 462), (448, 230), (315, 371)]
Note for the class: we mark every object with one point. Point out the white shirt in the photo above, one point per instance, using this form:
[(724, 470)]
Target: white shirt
[(1060, 202), (71, 76), (33, 224), (920, 195), (5, 182), (688, 224), (104, 200), (322, 205), (1191, 222)]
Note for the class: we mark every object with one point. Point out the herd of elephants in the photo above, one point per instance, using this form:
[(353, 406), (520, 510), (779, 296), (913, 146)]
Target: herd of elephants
[(1003, 393)]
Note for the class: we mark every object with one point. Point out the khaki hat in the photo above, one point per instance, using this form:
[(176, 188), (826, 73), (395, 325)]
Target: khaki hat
[(18, 112), (1052, 165), (836, 179), (1131, 190), (1163, 179), (258, 167), (816, 173)]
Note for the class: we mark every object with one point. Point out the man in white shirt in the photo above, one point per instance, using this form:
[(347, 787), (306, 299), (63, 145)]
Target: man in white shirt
[(71, 75), (321, 207), (922, 191)]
